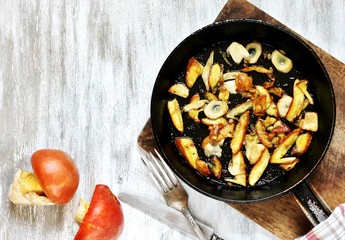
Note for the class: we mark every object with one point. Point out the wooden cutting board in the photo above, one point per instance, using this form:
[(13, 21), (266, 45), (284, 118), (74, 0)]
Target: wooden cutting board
[(282, 216)]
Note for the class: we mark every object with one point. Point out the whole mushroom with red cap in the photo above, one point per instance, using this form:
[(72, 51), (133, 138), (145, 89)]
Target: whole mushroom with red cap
[(102, 219)]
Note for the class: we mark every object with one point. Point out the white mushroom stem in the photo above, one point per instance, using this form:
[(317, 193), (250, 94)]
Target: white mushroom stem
[(81, 211)]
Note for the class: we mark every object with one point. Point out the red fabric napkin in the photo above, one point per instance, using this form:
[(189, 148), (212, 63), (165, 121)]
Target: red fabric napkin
[(333, 228)]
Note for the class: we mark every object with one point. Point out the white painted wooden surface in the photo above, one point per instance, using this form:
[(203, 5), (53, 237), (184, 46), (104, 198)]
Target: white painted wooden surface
[(77, 76)]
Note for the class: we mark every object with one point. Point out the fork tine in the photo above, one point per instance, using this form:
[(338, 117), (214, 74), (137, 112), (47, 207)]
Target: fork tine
[(159, 174), (165, 176), (161, 188), (172, 176)]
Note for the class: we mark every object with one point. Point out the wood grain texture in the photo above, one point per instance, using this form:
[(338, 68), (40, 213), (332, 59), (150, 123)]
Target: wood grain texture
[(78, 75)]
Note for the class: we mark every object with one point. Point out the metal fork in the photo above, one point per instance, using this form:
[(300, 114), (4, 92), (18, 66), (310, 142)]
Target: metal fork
[(171, 189)]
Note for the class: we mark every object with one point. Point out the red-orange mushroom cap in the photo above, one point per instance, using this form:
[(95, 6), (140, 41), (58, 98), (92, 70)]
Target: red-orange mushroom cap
[(57, 174), (104, 218)]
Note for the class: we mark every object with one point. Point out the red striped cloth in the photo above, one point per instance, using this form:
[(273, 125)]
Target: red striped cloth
[(333, 228)]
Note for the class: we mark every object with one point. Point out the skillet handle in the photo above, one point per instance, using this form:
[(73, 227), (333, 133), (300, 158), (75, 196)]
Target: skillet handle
[(311, 204)]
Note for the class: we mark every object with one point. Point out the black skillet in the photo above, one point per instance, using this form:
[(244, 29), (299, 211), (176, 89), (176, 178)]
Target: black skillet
[(306, 65)]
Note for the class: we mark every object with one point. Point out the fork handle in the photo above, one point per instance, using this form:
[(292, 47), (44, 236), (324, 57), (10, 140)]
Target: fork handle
[(215, 237), (185, 211)]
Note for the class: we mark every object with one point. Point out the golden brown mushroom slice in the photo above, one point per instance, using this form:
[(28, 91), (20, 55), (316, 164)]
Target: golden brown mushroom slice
[(289, 164), (231, 75), (194, 113), (186, 147), (243, 83), (216, 167), (302, 143), (207, 70), (240, 133), (239, 109), (179, 89), (194, 105), (202, 167), (284, 146), (309, 122), (223, 94), (176, 114), (211, 122), (259, 167), (303, 84), (262, 134), (258, 69), (194, 70), (262, 102), (296, 104), (216, 75), (237, 168)]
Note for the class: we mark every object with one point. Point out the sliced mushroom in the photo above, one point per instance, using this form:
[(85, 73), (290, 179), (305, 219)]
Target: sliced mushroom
[(176, 114), (269, 121), (216, 109), (262, 102), (194, 105), (258, 69), (179, 89), (215, 167), (254, 151), (216, 74), (219, 132), (284, 146), (210, 96), (239, 109), (243, 82), (296, 104), (202, 167), (309, 122), (272, 110), (207, 70), (212, 149), (262, 134), (280, 127), (283, 105), (240, 133), (211, 122), (276, 91), (254, 49), (286, 160), (289, 166), (237, 168), (281, 62), (194, 70), (303, 87), (187, 148), (237, 52), (259, 167), (223, 94), (231, 75), (230, 86), (302, 143), (194, 113)]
